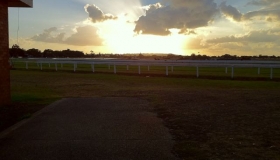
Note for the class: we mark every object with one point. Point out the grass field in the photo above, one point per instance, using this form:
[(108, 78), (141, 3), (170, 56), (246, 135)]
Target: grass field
[(208, 118)]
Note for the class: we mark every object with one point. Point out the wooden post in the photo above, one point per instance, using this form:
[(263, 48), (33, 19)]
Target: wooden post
[(56, 66), (167, 68)]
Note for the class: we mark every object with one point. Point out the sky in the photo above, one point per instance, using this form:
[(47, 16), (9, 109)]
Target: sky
[(211, 27)]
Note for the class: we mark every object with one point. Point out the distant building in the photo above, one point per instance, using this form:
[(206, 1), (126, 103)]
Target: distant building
[(5, 93)]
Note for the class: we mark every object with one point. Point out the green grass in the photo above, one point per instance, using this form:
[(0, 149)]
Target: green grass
[(27, 98), (208, 118)]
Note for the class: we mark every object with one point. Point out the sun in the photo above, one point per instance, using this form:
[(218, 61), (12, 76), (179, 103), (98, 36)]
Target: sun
[(120, 38)]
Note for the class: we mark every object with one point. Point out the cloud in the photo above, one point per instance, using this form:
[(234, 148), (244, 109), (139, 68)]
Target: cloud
[(197, 43), (96, 15), (84, 36), (230, 11), (262, 36), (47, 36), (270, 12), (179, 14), (263, 2), (253, 43)]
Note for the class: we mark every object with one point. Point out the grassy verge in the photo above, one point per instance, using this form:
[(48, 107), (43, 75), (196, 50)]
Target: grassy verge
[(209, 119)]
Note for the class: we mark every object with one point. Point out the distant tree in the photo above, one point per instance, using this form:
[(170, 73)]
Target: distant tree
[(34, 53), (140, 55), (48, 53), (228, 57), (169, 56), (92, 53), (72, 54), (16, 51)]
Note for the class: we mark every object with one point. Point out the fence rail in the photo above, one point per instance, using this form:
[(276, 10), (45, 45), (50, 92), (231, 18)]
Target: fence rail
[(168, 64)]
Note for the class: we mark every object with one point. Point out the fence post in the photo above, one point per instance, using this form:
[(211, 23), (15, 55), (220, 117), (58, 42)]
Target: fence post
[(167, 70), (41, 66), (26, 65), (232, 71), (56, 66), (149, 68), (109, 66), (271, 73), (92, 67), (115, 69), (74, 67), (139, 69), (172, 68), (226, 70), (197, 71), (127, 67), (259, 70)]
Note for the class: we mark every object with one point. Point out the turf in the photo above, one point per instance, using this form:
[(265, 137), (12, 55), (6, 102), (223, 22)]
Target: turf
[(208, 118)]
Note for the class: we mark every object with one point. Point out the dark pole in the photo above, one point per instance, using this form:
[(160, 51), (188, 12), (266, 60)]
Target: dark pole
[(5, 92)]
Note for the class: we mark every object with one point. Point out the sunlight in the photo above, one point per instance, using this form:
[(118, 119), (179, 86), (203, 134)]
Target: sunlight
[(129, 7), (122, 41)]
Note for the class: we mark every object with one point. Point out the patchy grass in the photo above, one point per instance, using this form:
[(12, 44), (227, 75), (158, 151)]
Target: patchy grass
[(209, 119)]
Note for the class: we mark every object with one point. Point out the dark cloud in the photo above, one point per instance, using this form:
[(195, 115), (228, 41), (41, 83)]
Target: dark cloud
[(84, 36), (230, 11), (96, 15), (178, 14), (263, 2), (271, 13)]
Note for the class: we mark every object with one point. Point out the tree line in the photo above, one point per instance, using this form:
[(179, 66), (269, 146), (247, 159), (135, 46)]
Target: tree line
[(16, 52)]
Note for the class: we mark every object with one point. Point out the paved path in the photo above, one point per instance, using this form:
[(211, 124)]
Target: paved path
[(89, 128)]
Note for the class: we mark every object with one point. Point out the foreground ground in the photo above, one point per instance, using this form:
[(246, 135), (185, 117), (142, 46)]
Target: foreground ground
[(209, 119), (119, 128)]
